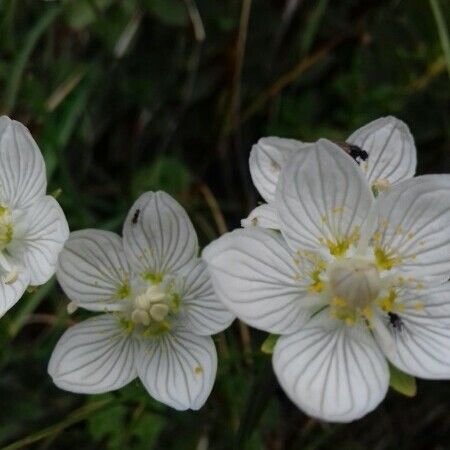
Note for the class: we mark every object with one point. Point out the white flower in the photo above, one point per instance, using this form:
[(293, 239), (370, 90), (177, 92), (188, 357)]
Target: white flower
[(388, 156), (349, 281), (33, 227), (158, 303)]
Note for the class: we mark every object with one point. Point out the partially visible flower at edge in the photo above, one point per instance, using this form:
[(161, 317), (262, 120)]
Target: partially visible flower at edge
[(387, 142), (350, 281), (159, 308), (33, 227)]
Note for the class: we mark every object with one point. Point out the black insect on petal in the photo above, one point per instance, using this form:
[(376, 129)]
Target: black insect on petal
[(395, 321), (135, 218), (357, 153)]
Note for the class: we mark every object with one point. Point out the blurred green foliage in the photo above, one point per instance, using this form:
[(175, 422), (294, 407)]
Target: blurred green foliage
[(125, 96)]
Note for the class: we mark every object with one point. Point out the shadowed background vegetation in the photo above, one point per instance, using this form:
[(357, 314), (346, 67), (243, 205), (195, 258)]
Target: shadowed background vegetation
[(135, 95)]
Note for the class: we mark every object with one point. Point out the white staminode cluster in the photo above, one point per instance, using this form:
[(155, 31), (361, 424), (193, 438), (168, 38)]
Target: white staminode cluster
[(357, 273), (158, 306), (33, 227)]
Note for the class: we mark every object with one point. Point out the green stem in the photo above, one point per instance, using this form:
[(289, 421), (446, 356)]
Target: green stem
[(73, 418), (442, 31)]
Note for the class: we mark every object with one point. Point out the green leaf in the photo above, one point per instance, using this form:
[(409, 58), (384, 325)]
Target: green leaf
[(402, 382), (269, 344)]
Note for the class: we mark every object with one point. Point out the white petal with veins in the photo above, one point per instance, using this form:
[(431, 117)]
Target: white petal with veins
[(331, 371), (391, 149)]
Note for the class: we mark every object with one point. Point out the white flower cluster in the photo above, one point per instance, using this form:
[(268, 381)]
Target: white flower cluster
[(348, 261)]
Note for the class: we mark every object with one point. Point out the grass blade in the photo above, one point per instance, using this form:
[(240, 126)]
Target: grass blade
[(442, 31), (29, 44)]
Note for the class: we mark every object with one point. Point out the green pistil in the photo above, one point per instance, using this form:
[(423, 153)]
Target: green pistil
[(154, 278), (124, 291)]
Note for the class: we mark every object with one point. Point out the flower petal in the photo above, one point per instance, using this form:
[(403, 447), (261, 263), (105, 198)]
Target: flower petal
[(391, 149), (331, 371), (10, 293), (93, 270), (94, 356), (256, 277), (264, 216), (41, 232), (200, 309), (178, 368), (413, 227), (420, 344), (158, 235), (322, 199), (22, 176), (267, 158)]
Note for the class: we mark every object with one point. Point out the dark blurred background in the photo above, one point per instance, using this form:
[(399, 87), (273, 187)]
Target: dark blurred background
[(136, 95)]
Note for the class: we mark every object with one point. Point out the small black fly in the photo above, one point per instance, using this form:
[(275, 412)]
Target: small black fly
[(395, 321), (357, 153), (135, 218)]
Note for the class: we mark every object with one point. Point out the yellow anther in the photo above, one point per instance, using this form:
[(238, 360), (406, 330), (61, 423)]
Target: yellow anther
[(350, 320), (380, 185), (317, 284), (367, 312), (340, 247), (385, 261), (339, 302), (377, 236), (387, 303)]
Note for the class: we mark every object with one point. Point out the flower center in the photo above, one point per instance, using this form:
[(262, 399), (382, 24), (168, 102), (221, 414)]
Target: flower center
[(354, 282), (150, 306), (6, 227)]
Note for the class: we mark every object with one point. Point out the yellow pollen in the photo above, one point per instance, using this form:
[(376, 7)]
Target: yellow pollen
[(380, 185), (419, 306), (385, 261), (340, 247), (339, 302), (6, 227), (377, 236), (367, 312), (350, 320), (338, 210), (388, 303), (317, 284)]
